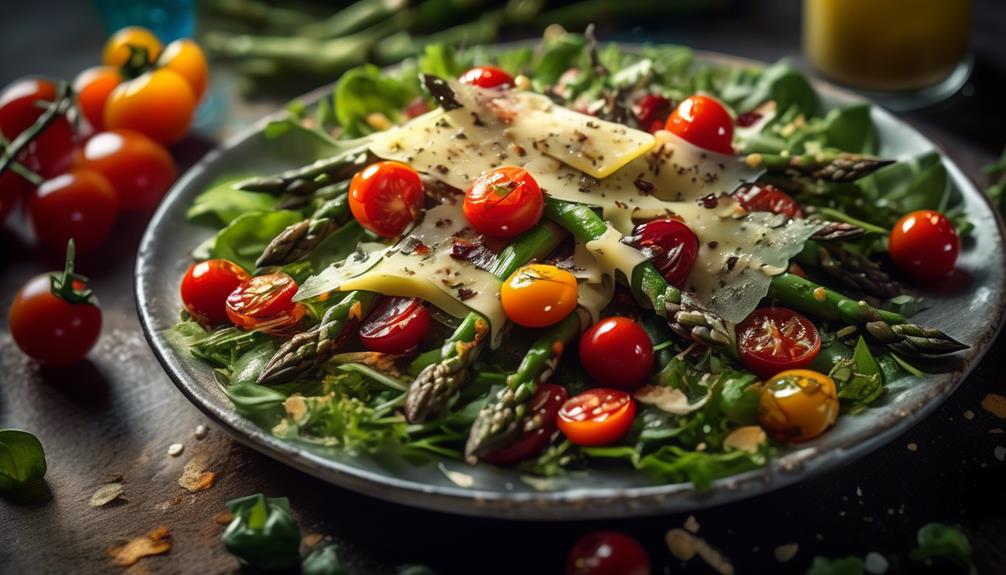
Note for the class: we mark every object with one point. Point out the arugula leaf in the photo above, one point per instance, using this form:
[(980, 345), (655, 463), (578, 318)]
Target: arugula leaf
[(249, 365), (839, 566), (554, 56), (258, 403), (366, 90), (440, 60), (673, 464), (323, 561), (334, 419), (22, 459), (222, 203), (220, 347), (264, 534), (337, 246), (244, 239), (787, 86), (938, 540), (859, 378)]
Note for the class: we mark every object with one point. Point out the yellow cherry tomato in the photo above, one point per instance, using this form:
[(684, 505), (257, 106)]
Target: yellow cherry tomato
[(117, 47), (537, 295), (798, 405), (159, 104), (187, 59)]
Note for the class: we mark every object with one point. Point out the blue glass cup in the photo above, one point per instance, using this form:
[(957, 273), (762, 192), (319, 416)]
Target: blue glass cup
[(168, 19)]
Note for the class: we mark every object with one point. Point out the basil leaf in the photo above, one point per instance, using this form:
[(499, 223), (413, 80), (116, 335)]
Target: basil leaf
[(244, 239), (860, 379), (22, 459), (367, 90), (937, 540), (787, 86), (264, 533), (323, 561)]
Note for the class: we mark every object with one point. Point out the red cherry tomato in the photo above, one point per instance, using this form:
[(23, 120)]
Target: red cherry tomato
[(545, 404), (671, 245), (140, 169), (607, 553), (504, 202), (55, 324), (617, 352), (265, 303), (599, 416), (12, 188), (205, 287), (703, 121), (777, 339), (924, 245), (80, 204), (386, 197), (768, 198), (50, 152), (487, 77), (397, 326), (652, 111), (93, 87)]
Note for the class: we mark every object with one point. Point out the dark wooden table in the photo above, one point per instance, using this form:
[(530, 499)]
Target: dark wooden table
[(116, 414)]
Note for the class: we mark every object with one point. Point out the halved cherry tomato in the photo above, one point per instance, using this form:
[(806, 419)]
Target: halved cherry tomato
[(386, 197), (798, 405), (616, 352), (187, 59), (487, 77), (776, 339), (537, 295), (597, 416), (607, 553), (53, 322), (12, 189), (265, 302), (93, 86), (21, 103), (924, 245), (117, 50), (544, 405), (81, 204), (159, 104), (504, 202), (768, 198), (140, 169), (652, 111), (671, 245), (398, 325), (703, 121), (205, 287)]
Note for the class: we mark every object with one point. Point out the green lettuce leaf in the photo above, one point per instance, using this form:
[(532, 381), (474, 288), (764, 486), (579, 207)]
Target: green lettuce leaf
[(244, 239), (222, 203), (367, 90)]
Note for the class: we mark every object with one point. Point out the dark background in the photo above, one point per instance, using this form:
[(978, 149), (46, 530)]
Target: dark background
[(117, 413)]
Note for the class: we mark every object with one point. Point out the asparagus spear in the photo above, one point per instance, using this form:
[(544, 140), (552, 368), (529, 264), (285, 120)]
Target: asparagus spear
[(500, 422), (312, 177), (686, 315), (308, 349), (851, 269), (296, 241), (889, 328), (442, 376), (829, 165)]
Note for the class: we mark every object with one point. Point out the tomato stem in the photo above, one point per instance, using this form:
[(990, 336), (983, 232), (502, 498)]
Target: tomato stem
[(62, 285), (58, 107), (138, 63)]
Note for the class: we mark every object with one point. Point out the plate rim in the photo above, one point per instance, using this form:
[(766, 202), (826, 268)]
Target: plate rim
[(579, 504)]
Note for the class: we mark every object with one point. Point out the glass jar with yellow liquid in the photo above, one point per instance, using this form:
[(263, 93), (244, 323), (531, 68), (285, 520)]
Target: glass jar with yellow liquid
[(888, 45)]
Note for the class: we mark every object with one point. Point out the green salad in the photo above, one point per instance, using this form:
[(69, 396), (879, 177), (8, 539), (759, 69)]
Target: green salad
[(571, 256)]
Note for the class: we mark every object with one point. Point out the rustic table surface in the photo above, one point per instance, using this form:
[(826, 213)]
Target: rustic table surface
[(114, 416)]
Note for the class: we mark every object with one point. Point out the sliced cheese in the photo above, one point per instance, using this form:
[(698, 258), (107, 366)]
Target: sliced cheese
[(610, 254)]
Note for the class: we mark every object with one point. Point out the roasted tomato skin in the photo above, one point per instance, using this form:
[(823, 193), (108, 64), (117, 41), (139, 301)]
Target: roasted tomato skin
[(607, 553), (386, 197), (487, 77), (776, 339), (545, 404), (704, 122), (616, 352), (599, 416), (538, 295), (397, 326), (768, 198), (504, 202), (205, 287), (671, 245), (798, 405), (924, 245), (265, 302)]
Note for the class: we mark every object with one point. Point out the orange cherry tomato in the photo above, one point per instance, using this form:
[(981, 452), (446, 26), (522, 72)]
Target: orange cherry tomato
[(386, 197), (93, 86), (159, 104), (265, 303), (206, 286), (117, 50), (597, 416), (80, 204), (924, 245), (504, 202), (487, 77), (140, 169), (187, 59), (537, 295), (776, 339), (798, 405), (703, 121)]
